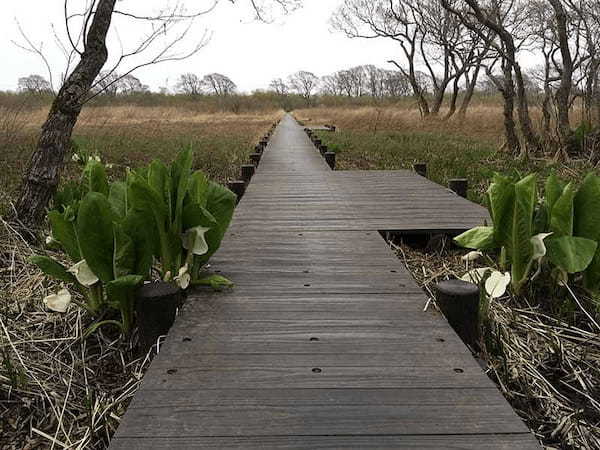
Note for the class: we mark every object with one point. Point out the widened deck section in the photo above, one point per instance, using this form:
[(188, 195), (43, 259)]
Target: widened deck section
[(323, 343)]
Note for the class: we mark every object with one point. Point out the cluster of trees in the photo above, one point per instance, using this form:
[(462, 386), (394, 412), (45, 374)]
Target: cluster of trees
[(212, 84), (359, 81), (446, 47)]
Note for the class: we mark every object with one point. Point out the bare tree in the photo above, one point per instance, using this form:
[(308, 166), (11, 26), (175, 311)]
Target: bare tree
[(34, 84), (86, 48), (279, 87), (430, 38), (218, 84), (304, 84), (189, 84)]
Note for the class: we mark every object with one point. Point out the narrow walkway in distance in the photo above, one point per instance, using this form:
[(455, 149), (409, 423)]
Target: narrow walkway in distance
[(323, 343)]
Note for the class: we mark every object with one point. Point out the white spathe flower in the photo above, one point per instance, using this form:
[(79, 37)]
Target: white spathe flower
[(183, 278), (84, 274), (109, 166), (58, 302), (194, 240), (97, 158), (472, 256), (475, 276), (75, 157), (539, 248), (496, 284)]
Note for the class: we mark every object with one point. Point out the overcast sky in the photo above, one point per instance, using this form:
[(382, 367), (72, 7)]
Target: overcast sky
[(249, 52)]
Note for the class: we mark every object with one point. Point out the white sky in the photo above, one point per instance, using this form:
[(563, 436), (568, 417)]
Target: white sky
[(250, 53)]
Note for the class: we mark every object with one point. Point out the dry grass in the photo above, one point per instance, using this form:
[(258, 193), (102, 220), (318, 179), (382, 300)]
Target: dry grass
[(130, 136), (57, 390)]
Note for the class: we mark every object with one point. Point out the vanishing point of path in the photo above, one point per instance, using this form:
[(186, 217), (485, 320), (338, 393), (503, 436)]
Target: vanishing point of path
[(324, 342)]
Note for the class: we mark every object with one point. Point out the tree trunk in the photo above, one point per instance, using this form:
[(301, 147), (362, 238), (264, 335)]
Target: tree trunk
[(470, 90), (43, 174), (453, 99), (532, 142)]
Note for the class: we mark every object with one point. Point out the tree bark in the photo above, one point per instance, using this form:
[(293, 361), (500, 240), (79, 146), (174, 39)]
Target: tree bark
[(470, 90), (43, 174), (563, 93)]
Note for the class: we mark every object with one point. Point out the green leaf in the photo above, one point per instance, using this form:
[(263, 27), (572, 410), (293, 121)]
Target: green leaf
[(125, 254), (221, 205), (52, 268), (552, 191), (572, 254), (522, 228), (64, 232), (95, 232), (587, 209), (145, 239), (478, 238), (198, 189), (121, 295), (591, 277), (159, 180), (118, 198), (195, 215), (501, 194), (180, 178), (94, 176), (217, 282), (561, 217)]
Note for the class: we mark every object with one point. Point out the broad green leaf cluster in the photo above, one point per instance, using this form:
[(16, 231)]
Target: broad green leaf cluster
[(559, 230), (160, 219)]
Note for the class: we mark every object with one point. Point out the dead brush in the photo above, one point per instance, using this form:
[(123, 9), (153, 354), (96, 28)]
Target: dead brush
[(547, 368), (57, 390)]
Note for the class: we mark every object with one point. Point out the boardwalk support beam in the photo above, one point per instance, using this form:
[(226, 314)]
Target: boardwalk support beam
[(248, 172), (459, 301), (238, 188), (460, 186), (255, 158), (156, 305), (421, 169), (330, 159)]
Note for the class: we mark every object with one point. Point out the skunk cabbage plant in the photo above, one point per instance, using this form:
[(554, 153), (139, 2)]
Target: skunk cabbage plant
[(169, 219), (561, 228)]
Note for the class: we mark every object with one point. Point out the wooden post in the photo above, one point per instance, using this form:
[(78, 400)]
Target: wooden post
[(323, 149), (255, 158), (258, 149), (248, 172), (238, 188), (156, 305), (264, 142), (330, 159), (421, 169), (460, 186), (317, 142), (459, 301)]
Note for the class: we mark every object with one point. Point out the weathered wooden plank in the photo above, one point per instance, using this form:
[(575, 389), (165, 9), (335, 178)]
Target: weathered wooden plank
[(328, 442), (276, 412)]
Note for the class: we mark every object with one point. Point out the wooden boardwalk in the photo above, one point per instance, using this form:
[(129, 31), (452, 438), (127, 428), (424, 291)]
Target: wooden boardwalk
[(323, 344)]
